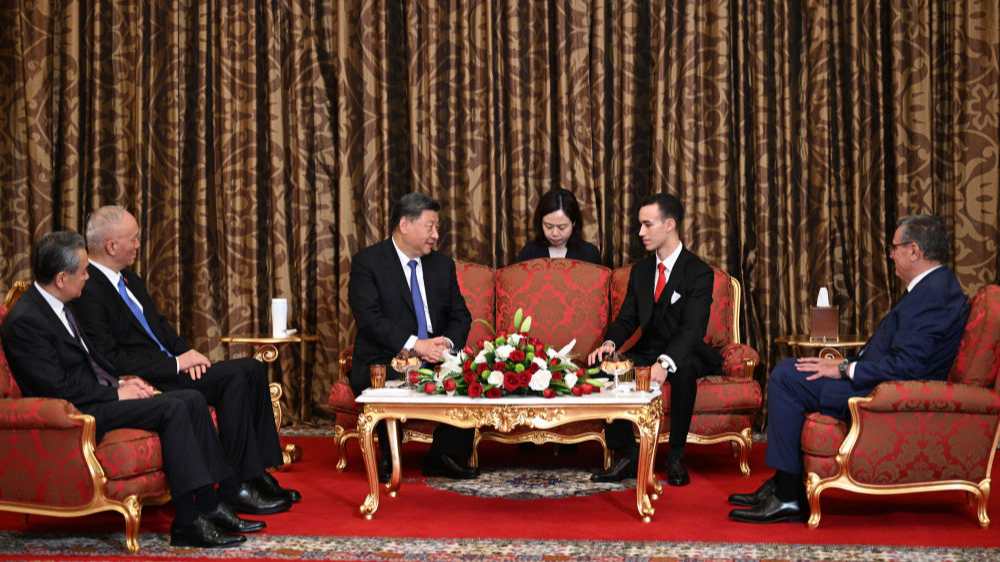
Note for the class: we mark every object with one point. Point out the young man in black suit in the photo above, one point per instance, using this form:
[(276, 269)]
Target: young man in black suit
[(118, 315), (50, 357), (404, 295), (669, 296)]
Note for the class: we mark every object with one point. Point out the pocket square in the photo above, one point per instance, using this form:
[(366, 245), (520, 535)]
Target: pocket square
[(675, 297)]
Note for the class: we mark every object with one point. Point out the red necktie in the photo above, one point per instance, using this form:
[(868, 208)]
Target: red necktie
[(661, 282)]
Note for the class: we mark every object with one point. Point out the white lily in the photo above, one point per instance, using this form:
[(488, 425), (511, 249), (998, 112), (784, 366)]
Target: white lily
[(452, 363), (563, 354), (515, 339)]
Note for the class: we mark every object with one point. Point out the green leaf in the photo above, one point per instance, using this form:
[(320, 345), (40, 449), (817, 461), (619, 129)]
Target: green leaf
[(487, 324)]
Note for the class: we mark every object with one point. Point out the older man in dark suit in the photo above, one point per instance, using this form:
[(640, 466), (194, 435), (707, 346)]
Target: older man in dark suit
[(405, 296), (669, 296), (119, 316), (917, 339), (51, 357)]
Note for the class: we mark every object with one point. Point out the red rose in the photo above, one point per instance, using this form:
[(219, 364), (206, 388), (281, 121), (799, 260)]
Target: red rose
[(430, 388), (524, 378), (549, 393), (494, 392), (449, 384), (577, 391), (483, 367), (414, 377), (470, 378), (499, 366), (467, 366), (475, 390), (553, 362), (511, 381), (587, 387), (517, 356), (533, 368), (580, 373), (557, 377), (468, 350)]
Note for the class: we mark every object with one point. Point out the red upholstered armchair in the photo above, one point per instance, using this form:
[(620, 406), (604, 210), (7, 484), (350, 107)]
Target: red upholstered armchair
[(476, 283), (566, 299), (918, 436), (726, 404), (52, 466)]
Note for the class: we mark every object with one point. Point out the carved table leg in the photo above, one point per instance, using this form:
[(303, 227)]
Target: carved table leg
[(366, 439), (648, 422)]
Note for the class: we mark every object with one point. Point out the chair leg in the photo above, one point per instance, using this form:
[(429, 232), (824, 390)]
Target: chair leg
[(341, 436), (133, 515), (474, 459)]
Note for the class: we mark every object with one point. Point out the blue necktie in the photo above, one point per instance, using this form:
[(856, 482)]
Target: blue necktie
[(134, 307), (418, 301)]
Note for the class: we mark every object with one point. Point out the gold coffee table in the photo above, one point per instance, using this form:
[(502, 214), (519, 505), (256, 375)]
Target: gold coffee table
[(641, 408)]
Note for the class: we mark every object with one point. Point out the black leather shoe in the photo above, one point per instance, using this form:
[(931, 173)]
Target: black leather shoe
[(567, 448), (772, 510), (677, 475), (225, 519), (202, 534), (384, 470), (251, 500), (270, 486), (753, 499), (447, 467), (623, 468)]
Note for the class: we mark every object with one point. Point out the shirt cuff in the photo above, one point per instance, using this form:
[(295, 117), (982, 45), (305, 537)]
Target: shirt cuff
[(178, 363), (613, 346), (850, 370), (673, 366), (410, 342)]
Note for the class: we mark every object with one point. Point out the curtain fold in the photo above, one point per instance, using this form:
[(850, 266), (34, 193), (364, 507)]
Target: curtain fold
[(261, 143)]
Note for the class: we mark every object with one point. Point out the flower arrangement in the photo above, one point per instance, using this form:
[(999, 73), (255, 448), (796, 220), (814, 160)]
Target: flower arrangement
[(511, 363)]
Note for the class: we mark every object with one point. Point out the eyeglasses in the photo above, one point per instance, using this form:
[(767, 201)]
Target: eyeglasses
[(890, 247)]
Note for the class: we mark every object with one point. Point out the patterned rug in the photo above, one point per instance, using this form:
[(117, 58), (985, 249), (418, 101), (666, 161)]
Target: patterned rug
[(31, 546)]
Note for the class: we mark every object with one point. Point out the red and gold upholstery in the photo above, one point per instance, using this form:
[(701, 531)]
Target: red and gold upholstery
[(726, 404), (918, 436), (52, 466)]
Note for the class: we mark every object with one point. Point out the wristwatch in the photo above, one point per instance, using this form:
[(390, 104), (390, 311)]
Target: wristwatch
[(843, 368), (665, 364)]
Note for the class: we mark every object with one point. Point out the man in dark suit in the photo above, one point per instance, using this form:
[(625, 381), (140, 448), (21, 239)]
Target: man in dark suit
[(118, 315), (669, 297), (917, 339), (404, 295), (50, 357)]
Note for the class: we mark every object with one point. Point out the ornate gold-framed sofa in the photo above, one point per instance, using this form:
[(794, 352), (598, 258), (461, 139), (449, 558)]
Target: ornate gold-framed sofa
[(52, 465), (917, 436), (568, 300)]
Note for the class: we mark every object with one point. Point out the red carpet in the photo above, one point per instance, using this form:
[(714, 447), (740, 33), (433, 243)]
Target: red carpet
[(695, 513)]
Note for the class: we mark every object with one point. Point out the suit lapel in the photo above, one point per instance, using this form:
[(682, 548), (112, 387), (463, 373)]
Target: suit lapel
[(396, 275), (675, 280), (644, 289), (55, 323), (114, 295)]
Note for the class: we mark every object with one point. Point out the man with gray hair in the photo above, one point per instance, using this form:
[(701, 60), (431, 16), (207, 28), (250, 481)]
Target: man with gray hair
[(917, 339), (51, 357), (404, 295), (119, 316)]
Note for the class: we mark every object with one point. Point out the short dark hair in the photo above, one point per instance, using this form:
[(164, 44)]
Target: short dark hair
[(929, 233), (563, 200), (411, 206), (670, 206), (56, 252)]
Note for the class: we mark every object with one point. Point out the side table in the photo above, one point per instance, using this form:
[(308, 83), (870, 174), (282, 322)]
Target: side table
[(796, 342), (266, 350)]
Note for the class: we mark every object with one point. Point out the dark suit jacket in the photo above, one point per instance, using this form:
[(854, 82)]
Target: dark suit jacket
[(585, 251), (47, 361), (383, 311), (673, 327), (117, 333), (917, 339)]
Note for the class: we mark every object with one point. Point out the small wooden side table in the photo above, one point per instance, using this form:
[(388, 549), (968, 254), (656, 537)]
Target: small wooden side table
[(266, 350), (825, 349)]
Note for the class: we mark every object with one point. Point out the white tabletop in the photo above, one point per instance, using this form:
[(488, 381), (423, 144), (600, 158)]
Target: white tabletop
[(393, 395)]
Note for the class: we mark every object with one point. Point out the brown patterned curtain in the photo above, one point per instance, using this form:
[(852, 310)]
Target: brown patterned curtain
[(263, 143)]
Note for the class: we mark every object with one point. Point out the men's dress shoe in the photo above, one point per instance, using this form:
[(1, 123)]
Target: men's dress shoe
[(225, 519), (250, 499), (270, 486), (772, 510), (623, 468), (384, 470), (447, 467), (202, 534), (753, 499), (677, 475)]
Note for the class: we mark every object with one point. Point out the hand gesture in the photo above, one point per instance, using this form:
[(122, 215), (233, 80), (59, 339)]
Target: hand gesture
[(599, 353), (193, 363), (818, 367)]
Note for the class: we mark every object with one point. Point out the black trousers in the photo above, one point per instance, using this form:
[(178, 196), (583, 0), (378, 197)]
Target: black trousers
[(683, 391), (192, 454), (238, 389)]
